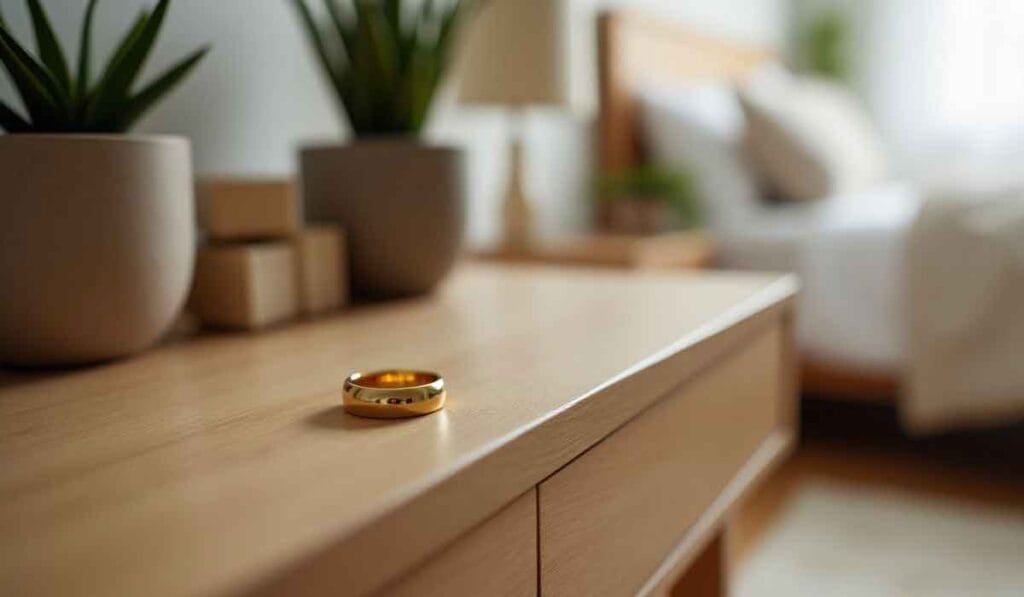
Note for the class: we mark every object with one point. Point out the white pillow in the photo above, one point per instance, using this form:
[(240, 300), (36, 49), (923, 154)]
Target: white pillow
[(700, 129), (809, 138)]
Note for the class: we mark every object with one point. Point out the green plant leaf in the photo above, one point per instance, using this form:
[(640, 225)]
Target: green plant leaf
[(50, 51), (162, 85), (3, 22), (346, 32), (11, 121), (377, 57), (387, 63), (393, 13), (127, 40), (57, 102), (434, 63), (423, 81), (84, 56), (316, 39), (93, 98), (449, 25), (39, 92), (357, 88), (125, 68), (37, 70), (409, 39)]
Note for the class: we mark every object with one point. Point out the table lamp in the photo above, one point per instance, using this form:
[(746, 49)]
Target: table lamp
[(514, 55)]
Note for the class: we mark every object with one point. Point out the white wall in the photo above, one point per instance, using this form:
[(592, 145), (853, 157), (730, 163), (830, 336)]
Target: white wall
[(941, 77), (250, 101), (258, 95)]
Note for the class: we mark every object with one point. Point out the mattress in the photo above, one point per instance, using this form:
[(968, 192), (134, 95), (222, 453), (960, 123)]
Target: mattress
[(848, 251)]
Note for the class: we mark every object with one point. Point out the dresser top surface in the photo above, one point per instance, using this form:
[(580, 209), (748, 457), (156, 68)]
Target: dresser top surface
[(199, 466)]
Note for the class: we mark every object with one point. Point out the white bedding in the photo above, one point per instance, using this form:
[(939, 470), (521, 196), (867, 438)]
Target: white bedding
[(849, 253), (965, 287), (928, 293), (847, 249)]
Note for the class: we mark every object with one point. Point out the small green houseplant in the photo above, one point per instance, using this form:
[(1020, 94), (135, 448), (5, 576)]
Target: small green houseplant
[(58, 100), (399, 199), (384, 59), (824, 44), (647, 200), (97, 225)]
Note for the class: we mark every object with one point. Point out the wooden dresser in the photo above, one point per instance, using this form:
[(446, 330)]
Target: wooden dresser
[(599, 428)]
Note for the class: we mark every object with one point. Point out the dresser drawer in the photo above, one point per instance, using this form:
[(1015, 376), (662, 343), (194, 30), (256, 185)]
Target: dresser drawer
[(498, 558), (609, 518)]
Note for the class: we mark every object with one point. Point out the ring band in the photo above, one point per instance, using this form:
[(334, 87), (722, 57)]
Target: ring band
[(393, 394)]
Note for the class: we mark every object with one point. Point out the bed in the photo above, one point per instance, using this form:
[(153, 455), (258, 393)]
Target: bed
[(847, 249)]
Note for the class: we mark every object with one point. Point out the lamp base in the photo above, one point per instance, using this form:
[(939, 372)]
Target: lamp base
[(518, 217)]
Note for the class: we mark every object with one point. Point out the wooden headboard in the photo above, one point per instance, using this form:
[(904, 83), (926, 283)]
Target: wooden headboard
[(635, 50)]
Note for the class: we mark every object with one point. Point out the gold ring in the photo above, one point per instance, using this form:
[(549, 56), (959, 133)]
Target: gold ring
[(393, 394)]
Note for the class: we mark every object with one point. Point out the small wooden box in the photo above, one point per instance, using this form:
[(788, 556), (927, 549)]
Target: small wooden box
[(245, 286), (322, 269), (232, 210)]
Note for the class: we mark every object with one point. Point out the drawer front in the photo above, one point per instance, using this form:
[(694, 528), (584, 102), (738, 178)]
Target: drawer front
[(609, 518), (497, 558)]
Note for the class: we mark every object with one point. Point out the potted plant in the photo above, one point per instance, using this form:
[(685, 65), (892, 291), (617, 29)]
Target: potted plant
[(97, 225), (647, 200), (399, 199), (823, 44)]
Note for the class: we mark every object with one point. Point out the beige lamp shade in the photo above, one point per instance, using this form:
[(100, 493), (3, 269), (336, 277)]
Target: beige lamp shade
[(515, 53)]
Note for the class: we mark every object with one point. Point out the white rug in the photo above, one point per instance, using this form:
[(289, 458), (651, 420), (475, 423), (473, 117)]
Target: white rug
[(841, 540)]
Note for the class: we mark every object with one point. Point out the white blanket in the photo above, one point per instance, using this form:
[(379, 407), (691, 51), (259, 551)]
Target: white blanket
[(965, 284), (851, 268), (931, 291), (848, 251)]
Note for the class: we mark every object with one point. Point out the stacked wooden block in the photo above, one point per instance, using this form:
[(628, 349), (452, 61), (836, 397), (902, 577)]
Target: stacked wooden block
[(260, 265)]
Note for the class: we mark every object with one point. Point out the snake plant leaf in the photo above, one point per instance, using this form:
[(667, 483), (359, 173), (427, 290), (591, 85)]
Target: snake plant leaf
[(123, 72), (375, 42), (449, 23), (38, 91), (426, 14), (378, 55), (38, 71), (316, 39), (50, 51), (96, 96), (392, 10), (386, 63), (363, 98), (144, 100), (57, 101), (126, 42), (424, 81), (346, 31), (414, 89), (11, 121), (85, 54)]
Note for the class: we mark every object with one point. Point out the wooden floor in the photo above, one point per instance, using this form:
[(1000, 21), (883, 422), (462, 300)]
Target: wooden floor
[(862, 446)]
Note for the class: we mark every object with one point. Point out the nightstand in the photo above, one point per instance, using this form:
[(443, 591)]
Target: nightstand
[(600, 429), (677, 250)]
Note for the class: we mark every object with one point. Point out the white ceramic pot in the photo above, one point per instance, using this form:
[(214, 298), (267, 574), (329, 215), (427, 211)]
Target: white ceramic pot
[(97, 244)]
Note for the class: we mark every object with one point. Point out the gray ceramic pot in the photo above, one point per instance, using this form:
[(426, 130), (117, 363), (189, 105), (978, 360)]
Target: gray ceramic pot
[(97, 243), (401, 204)]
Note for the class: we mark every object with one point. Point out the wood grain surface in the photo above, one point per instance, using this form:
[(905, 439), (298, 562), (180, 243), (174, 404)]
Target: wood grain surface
[(609, 518), (692, 249), (497, 559), (226, 464)]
